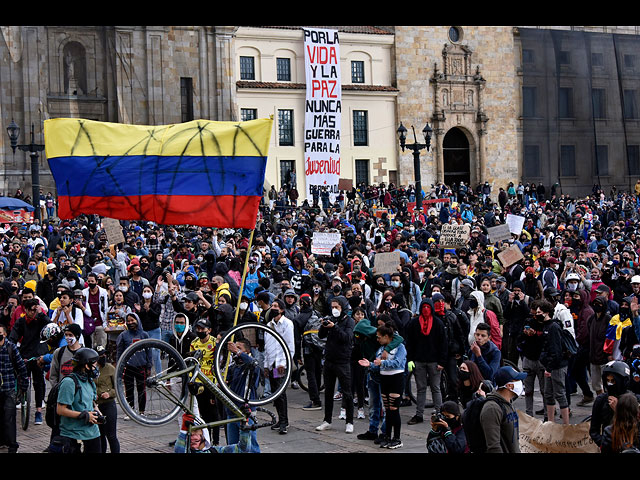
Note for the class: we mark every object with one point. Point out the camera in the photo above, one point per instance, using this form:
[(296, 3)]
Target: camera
[(100, 419), (436, 416), (325, 323)]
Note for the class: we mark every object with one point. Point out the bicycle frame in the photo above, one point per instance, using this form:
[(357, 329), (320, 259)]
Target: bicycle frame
[(196, 374)]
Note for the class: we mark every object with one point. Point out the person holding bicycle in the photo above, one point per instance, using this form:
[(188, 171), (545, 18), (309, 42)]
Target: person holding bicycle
[(12, 371), (198, 440), (27, 330), (242, 367)]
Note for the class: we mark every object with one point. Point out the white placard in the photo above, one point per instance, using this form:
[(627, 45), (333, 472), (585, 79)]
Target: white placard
[(515, 222), (386, 262), (454, 236), (323, 242), (499, 233), (323, 110)]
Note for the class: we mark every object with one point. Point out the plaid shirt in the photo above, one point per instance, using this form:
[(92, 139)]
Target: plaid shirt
[(8, 369), (167, 313)]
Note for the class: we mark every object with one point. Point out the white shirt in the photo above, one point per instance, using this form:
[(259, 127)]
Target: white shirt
[(274, 355)]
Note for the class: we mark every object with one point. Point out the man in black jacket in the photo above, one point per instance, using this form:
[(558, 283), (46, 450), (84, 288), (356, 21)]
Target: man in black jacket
[(338, 330), (27, 330), (554, 361), (427, 348)]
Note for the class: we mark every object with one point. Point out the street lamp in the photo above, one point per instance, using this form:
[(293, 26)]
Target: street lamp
[(14, 133), (415, 148)]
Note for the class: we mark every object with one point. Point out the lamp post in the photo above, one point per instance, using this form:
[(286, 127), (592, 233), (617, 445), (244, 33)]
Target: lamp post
[(415, 148), (33, 148)]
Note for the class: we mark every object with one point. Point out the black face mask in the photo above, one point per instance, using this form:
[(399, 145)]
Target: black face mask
[(625, 312), (102, 360), (201, 334), (464, 375), (337, 289)]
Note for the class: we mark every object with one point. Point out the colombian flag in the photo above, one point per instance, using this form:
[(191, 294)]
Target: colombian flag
[(198, 173)]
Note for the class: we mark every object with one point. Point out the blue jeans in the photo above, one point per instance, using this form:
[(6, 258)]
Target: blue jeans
[(155, 333), (376, 412), (233, 435), (166, 335)]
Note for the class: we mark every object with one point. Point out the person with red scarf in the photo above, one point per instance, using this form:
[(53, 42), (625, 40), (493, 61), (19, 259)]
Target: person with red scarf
[(427, 348)]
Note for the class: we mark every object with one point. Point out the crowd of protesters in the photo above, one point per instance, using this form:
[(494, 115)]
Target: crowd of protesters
[(464, 325)]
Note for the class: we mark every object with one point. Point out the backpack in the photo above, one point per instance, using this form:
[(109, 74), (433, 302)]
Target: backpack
[(471, 423), (569, 344), (51, 414)]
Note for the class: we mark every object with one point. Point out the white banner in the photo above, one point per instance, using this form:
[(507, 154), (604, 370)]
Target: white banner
[(323, 111), (323, 242)]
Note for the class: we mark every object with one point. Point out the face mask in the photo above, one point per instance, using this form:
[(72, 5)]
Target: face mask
[(395, 284), (123, 289), (572, 286), (147, 295), (453, 422), (32, 268), (518, 388), (464, 375), (438, 307), (180, 328), (540, 318), (71, 340), (598, 307), (93, 285), (624, 312), (94, 372), (335, 312), (201, 335), (244, 306), (336, 289)]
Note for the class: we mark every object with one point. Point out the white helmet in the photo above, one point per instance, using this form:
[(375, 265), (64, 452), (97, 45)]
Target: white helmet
[(573, 277)]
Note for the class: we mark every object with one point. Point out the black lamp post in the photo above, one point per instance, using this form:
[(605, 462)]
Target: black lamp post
[(415, 148), (33, 148)]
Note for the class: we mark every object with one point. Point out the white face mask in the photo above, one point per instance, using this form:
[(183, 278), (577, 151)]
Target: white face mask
[(123, 289), (335, 312), (147, 295), (518, 388), (244, 305), (395, 284)]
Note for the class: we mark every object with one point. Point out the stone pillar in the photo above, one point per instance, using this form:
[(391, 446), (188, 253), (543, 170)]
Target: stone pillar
[(225, 74)]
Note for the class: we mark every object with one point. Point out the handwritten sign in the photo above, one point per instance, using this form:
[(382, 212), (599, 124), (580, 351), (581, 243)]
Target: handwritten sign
[(345, 184), (323, 110), (323, 242), (510, 256), (454, 236), (113, 229), (386, 262), (515, 222), (551, 437), (411, 206), (499, 233)]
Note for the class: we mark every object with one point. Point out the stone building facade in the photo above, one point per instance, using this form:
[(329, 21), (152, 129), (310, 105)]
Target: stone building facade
[(465, 81)]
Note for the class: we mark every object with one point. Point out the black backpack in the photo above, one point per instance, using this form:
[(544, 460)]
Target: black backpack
[(51, 416), (471, 423)]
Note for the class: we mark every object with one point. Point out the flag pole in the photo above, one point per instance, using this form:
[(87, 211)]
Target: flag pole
[(244, 277)]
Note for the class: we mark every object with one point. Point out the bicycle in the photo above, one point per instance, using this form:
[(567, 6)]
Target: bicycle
[(167, 392), (301, 377)]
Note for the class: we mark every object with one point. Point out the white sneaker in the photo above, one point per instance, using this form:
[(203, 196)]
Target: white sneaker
[(343, 414), (126, 417), (323, 426), (361, 413), (349, 428)]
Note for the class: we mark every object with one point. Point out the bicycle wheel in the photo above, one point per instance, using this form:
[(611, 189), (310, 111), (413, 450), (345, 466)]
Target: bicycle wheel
[(151, 400), (25, 406), (274, 343)]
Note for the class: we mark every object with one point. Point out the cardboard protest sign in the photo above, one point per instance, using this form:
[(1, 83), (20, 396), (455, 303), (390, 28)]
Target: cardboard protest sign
[(345, 184), (323, 242), (113, 229), (551, 437), (411, 206), (499, 233), (454, 236), (515, 222), (386, 262), (510, 256)]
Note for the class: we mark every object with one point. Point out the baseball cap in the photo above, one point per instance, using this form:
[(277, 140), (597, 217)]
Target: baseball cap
[(501, 279), (203, 322), (603, 288), (635, 279), (507, 374)]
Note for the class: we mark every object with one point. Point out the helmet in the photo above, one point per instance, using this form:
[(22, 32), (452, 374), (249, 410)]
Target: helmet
[(621, 373), (49, 331), (572, 277), (84, 356)]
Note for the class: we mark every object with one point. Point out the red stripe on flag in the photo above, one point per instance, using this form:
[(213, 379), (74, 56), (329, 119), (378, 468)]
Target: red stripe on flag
[(225, 211)]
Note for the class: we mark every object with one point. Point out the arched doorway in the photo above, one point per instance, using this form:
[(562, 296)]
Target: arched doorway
[(455, 151)]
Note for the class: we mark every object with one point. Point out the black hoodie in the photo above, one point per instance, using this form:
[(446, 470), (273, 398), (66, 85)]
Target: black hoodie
[(340, 336)]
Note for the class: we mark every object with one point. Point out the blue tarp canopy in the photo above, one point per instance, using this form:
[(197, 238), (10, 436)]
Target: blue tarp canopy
[(10, 203)]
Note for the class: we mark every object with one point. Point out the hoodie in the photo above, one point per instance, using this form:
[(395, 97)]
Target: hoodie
[(581, 316), (340, 336), (182, 342), (426, 336), (127, 338), (478, 316)]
